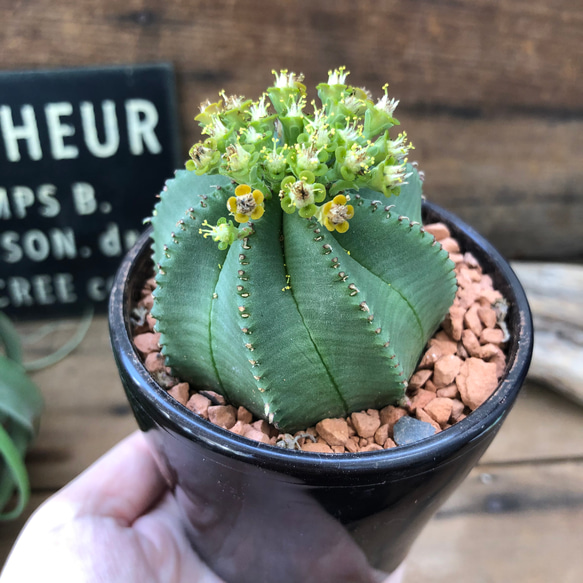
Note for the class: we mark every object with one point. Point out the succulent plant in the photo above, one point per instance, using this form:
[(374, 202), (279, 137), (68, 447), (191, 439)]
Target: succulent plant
[(20, 408), (321, 294)]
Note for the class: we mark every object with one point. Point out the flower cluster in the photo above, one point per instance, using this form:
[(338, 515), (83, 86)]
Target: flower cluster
[(310, 161)]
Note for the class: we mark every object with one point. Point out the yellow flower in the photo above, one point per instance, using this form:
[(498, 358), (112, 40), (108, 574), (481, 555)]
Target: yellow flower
[(245, 204), (336, 213)]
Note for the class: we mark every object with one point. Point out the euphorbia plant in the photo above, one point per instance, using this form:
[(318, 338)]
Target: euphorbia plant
[(324, 287)]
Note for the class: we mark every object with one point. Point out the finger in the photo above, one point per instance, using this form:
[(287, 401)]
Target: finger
[(166, 545), (123, 484)]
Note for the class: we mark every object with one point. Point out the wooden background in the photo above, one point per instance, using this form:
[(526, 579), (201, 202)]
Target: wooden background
[(491, 96), (491, 91)]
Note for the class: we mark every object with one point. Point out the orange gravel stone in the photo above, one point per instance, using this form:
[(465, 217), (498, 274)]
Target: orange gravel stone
[(449, 392), (155, 362), (334, 431), (390, 415), (180, 392), (147, 342), (419, 378), (218, 399), (450, 245), (478, 380), (438, 230), (317, 447), (223, 415), (487, 315), (420, 399), (431, 356), (454, 322), (470, 260), (471, 343), (461, 351), (147, 302), (261, 425), (457, 409), (492, 336), (351, 445), (151, 322), (490, 295), (430, 386), (372, 447), (253, 433), (440, 410), (244, 416), (499, 359), (443, 343), (382, 434), (472, 320), (239, 428), (445, 370), (365, 424), (199, 404), (423, 416)]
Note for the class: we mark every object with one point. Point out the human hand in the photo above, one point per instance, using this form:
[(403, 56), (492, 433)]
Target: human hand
[(116, 522)]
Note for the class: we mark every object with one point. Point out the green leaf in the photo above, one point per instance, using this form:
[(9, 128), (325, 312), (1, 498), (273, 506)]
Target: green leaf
[(13, 452), (20, 408), (9, 339), (182, 305), (20, 399)]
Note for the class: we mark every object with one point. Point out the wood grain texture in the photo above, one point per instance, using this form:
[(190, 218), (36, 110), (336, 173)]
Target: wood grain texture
[(541, 426), (514, 523), (491, 92), (555, 294)]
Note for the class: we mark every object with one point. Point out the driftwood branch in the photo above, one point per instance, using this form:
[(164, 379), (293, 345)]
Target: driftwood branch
[(555, 293)]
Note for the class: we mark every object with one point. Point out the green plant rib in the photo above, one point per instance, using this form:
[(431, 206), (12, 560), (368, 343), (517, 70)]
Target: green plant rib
[(176, 301), (330, 376), (334, 306)]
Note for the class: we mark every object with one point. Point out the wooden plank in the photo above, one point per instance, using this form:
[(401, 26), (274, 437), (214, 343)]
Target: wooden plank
[(542, 426), (517, 523), (469, 54), (497, 175), (555, 294), (490, 91)]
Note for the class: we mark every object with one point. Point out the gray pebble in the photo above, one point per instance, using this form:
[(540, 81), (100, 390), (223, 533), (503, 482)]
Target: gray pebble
[(408, 430)]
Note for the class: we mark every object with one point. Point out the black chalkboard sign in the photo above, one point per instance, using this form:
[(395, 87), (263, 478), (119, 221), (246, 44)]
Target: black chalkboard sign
[(83, 153)]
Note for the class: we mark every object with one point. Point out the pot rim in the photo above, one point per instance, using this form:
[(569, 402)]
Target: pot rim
[(439, 447)]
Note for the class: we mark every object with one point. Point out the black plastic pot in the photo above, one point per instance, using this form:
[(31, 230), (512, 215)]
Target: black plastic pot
[(256, 512)]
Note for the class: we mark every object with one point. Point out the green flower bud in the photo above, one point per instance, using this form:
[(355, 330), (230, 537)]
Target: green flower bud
[(287, 89), (379, 117), (205, 158)]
